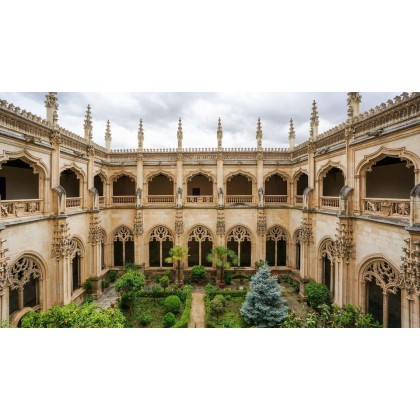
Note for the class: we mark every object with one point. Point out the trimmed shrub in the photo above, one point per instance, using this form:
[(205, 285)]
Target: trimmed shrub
[(164, 281), (145, 319), (185, 318), (87, 299), (221, 299), (228, 277), (88, 286), (217, 308), (318, 294), (198, 272), (172, 304), (169, 320)]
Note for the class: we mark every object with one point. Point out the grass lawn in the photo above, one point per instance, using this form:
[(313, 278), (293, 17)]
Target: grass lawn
[(231, 317), (154, 307)]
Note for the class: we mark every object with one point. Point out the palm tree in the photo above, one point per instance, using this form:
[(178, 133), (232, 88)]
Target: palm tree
[(177, 253), (223, 258)]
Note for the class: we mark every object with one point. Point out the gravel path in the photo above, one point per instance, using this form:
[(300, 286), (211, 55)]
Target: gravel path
[(198, 312)]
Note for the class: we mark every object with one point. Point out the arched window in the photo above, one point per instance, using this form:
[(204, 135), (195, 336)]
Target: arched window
[(24, 289), (123, 246), (199, 189), (332, 183), (76, 263), (69, 180), (200, 243), (297, 249), (388, 185), (98, 183), (301, 184), (383, 293), (275, 189), (276, 247), (19, 181), (327, 264), (161, 190), (103, 238), (160, 242), (239, 240), (239, 190)]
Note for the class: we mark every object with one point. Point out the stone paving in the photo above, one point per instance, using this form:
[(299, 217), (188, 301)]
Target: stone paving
[(292, 299), (108, 298), (198, 312)]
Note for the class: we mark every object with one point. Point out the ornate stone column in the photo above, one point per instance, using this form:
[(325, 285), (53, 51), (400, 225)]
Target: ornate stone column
[(179, 168), (261, 235), (4, 279), (139, 169), (219, 175), (306, 239), (139, 257)]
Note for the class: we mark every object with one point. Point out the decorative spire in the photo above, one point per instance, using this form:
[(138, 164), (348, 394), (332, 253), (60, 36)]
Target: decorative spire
[(353, 102), (51, 103), (108, 137), (88, 124), (219, 134), (140, 135), (314, 122), (292, 135), (259, 133), (179, 134)]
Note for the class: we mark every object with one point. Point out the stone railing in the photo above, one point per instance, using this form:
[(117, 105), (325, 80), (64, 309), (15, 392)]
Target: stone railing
[(101, 201), (161, 199), (18, 208), (330, 202), (389, 207), (73, 202), (200, 199), (239, 199), (299, 200), (123, 199), (275, 199)]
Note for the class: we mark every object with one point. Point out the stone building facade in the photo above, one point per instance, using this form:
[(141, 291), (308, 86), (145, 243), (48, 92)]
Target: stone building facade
[(342, 208)]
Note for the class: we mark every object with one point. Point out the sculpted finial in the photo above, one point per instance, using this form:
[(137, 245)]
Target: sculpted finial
[(314, 122), (140, 135), (259, 133), (88, 124), (292, 135), (108, 136), (219, 134), (179, 134)]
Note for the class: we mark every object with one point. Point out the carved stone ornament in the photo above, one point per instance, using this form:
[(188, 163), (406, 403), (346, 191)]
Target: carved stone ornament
[(4, 268), (95, 230), (220, 225), (200, 234), (239, 234), (305, 232), (123, 234), (261, 223), (384, 275), (161, 234), (344, 242), (410, 266), (61, 239), (138, 224), (179, 223), (23, 271)]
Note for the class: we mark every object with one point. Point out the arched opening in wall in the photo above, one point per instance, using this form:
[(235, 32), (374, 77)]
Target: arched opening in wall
[(276, 247), (383, 292), (332, 184), (70, 182), (18, 181), (123, 190), (200, 243), (296, 239), (123, 246), (24, 289), (161, 189), (327, 264), (275, 188), (199, 189), (239, 189), (98, 183), (161, 241), (239, 241), (102, 248), (76, 280), (388, 186), (300, 186)]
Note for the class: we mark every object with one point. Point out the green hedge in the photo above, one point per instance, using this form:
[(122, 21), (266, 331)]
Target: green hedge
[(185, 318), (318, 294)]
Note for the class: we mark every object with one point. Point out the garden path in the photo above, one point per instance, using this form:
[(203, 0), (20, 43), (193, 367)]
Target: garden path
[(108, 298), (293, 301), (198, 312)]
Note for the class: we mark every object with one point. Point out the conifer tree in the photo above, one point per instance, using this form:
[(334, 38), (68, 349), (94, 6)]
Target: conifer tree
[(264, 306)]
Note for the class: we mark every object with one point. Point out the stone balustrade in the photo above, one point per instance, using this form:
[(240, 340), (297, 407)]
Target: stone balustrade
[(200, 199), (239, 199), (275, 199), (73, 202), (18, 208), (123, 199), (299, 200), (330, 202), (387, 207), (160, 199)]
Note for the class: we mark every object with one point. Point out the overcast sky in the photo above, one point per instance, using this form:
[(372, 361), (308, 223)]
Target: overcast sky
[(199, 113)]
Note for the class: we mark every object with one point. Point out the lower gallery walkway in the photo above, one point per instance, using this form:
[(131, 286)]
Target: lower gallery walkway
[(198, 312)]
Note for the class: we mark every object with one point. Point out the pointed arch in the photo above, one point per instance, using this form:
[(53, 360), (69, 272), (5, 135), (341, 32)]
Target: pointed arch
[(200, 242), (123, 249), (277, 243), (239, 239), (116, 175), (161, 239), (326, 262), (38, 166)]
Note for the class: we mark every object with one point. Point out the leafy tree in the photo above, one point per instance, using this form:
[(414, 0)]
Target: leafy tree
[(164, 282), (129, 285), (223, 258), (264, 305), (217, 308), (74, 316), (177, 253)]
